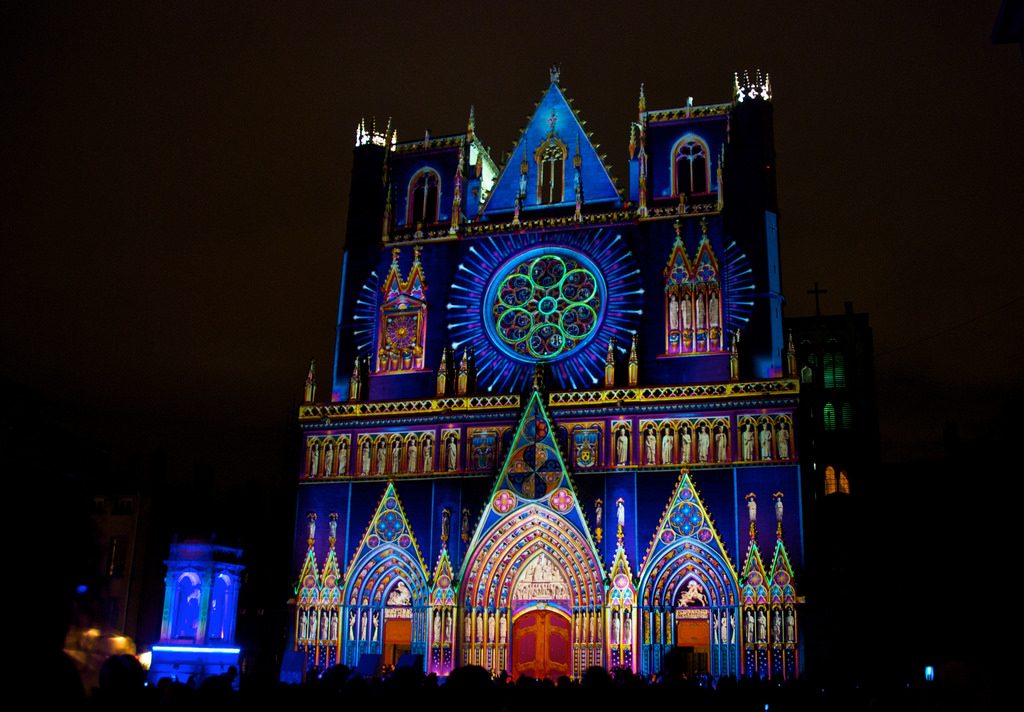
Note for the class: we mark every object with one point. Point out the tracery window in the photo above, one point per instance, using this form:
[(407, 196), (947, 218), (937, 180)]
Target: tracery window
[(693, 301), (830, 480), (690, 163), (550, 159), (835, 370), (423, 197)]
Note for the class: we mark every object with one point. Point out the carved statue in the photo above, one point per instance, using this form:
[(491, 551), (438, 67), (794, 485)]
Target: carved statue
[(747, 441), (452, 451), (782, 442), (777, 626), (490, 628), (328, 459), (650, 447), (714, 627), (365, 458), (721, 444), (396, 457), (615, 628), (446, 518), (750, 626), (713, 309), (437, 627), (413, 455), (480, 627), (465, 525), (334, 625), (790, 626), (694, 593), (428, 454), (673, 311), (724, 623), (311, 518), (627, 628), (703, 443), (685, 444), (376, 625), (700, 323), (778, 507), (622, 447), (364, 628), (503, 629), (303, 624), (449, 630), (343, 457), (762, 626), (598, 514), (314, 460), (732, 627), (620, 512), (332, 526), (467, 628), (382, 458), (687, 311), (400, 596), (764, 438), (352, 625), (666, 446)]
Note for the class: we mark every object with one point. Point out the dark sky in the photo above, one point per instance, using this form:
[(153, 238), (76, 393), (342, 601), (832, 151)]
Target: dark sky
[(176, 180)]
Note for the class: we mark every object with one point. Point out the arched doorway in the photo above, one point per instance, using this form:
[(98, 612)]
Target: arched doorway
[(397, 625), (541, 644)]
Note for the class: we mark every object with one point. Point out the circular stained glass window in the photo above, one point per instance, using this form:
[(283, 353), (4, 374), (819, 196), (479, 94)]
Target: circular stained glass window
[(544, 304)]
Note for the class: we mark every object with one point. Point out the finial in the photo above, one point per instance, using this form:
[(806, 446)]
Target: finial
[(577, 160), (471, 124), (332, 524), (641, 104), (394, 257), (446, 519), (311, 518), (598, 519), (678, 225), (309, 393), (704, 228), (620, 518), (416, 252), (555, 73)]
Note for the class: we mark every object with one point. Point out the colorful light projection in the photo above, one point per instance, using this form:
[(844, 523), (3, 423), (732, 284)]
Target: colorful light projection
[(556, 298), (688, 591)]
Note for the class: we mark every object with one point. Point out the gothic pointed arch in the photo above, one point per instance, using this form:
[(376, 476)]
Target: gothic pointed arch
[(532, 550), (679, 290), (386, 593), (754, 604), (707, 302), (691, 166), (307, 601), (688, 586), (402, 324), (622, 612), (785, 647), (443, 615), (424, 197)]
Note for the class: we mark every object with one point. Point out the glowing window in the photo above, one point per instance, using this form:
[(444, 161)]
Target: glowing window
[(550, 172), (186, 607), (830, 480), (844, 483), (829, 416), (835, 370), (423, 194), (806, 375), (691, 167)]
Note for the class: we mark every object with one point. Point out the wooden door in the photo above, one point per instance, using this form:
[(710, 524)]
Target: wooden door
[(541, 645), (693, 639), (397, 639)]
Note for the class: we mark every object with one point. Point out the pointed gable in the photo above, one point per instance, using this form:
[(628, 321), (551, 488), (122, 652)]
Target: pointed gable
[(752, 579), (387, 547), (309, 589), (554, 124), (678, 270), (622, 590), (782, 588), (686, 541), (534, 474), (443, 580)]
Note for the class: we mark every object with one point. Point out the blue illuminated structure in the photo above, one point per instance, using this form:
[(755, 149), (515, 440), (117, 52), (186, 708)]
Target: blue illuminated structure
[(558, 408), (197, 632)]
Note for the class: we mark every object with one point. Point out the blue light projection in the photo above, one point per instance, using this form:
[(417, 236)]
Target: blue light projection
[(599, 261)]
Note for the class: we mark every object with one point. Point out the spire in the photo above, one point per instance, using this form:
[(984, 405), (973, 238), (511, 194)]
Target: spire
[(641, 104), (443, 374), (457, 193), (462, 381), (577, 162), (471, 123), (634, 364), (734, 357), (355, 386), (609, 364), (309, 392)]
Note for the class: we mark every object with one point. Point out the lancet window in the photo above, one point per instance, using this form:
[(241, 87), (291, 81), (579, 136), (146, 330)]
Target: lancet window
[(550, 158), (424, 197), (690, 163)]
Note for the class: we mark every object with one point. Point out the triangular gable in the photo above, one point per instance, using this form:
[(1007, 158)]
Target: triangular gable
[(705, 266), (679, 269), (413, 287), (389, 527), (753, 581), (533, 474), (309, 579), (686, 519), (782, 588), (567, 128), (622, 589), (443, 580), (330, 579)]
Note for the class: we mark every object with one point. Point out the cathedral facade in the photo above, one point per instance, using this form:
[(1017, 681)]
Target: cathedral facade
[(560, 426)]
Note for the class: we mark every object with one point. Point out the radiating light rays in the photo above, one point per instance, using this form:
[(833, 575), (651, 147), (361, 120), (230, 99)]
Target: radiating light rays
[(366, 313), (499, 373), (738, 280)]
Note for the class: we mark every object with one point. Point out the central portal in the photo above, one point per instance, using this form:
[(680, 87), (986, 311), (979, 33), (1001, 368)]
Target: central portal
[(540, 645)]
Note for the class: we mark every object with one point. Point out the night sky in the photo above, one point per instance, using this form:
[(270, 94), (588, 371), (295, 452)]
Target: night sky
[(176, 179)]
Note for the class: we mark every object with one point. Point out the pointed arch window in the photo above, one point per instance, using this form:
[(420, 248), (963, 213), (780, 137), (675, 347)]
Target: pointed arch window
[(424, 197), (835, 370), (829, 416), (844, 483), (846, 416), (690, 167), (830, 480), (550, 158)]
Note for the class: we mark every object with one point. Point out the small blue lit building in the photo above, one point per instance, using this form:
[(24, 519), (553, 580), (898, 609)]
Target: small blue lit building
[(197, 634)]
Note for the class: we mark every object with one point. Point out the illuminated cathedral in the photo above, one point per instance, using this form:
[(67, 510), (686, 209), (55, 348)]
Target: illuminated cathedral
[(560, 429)]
